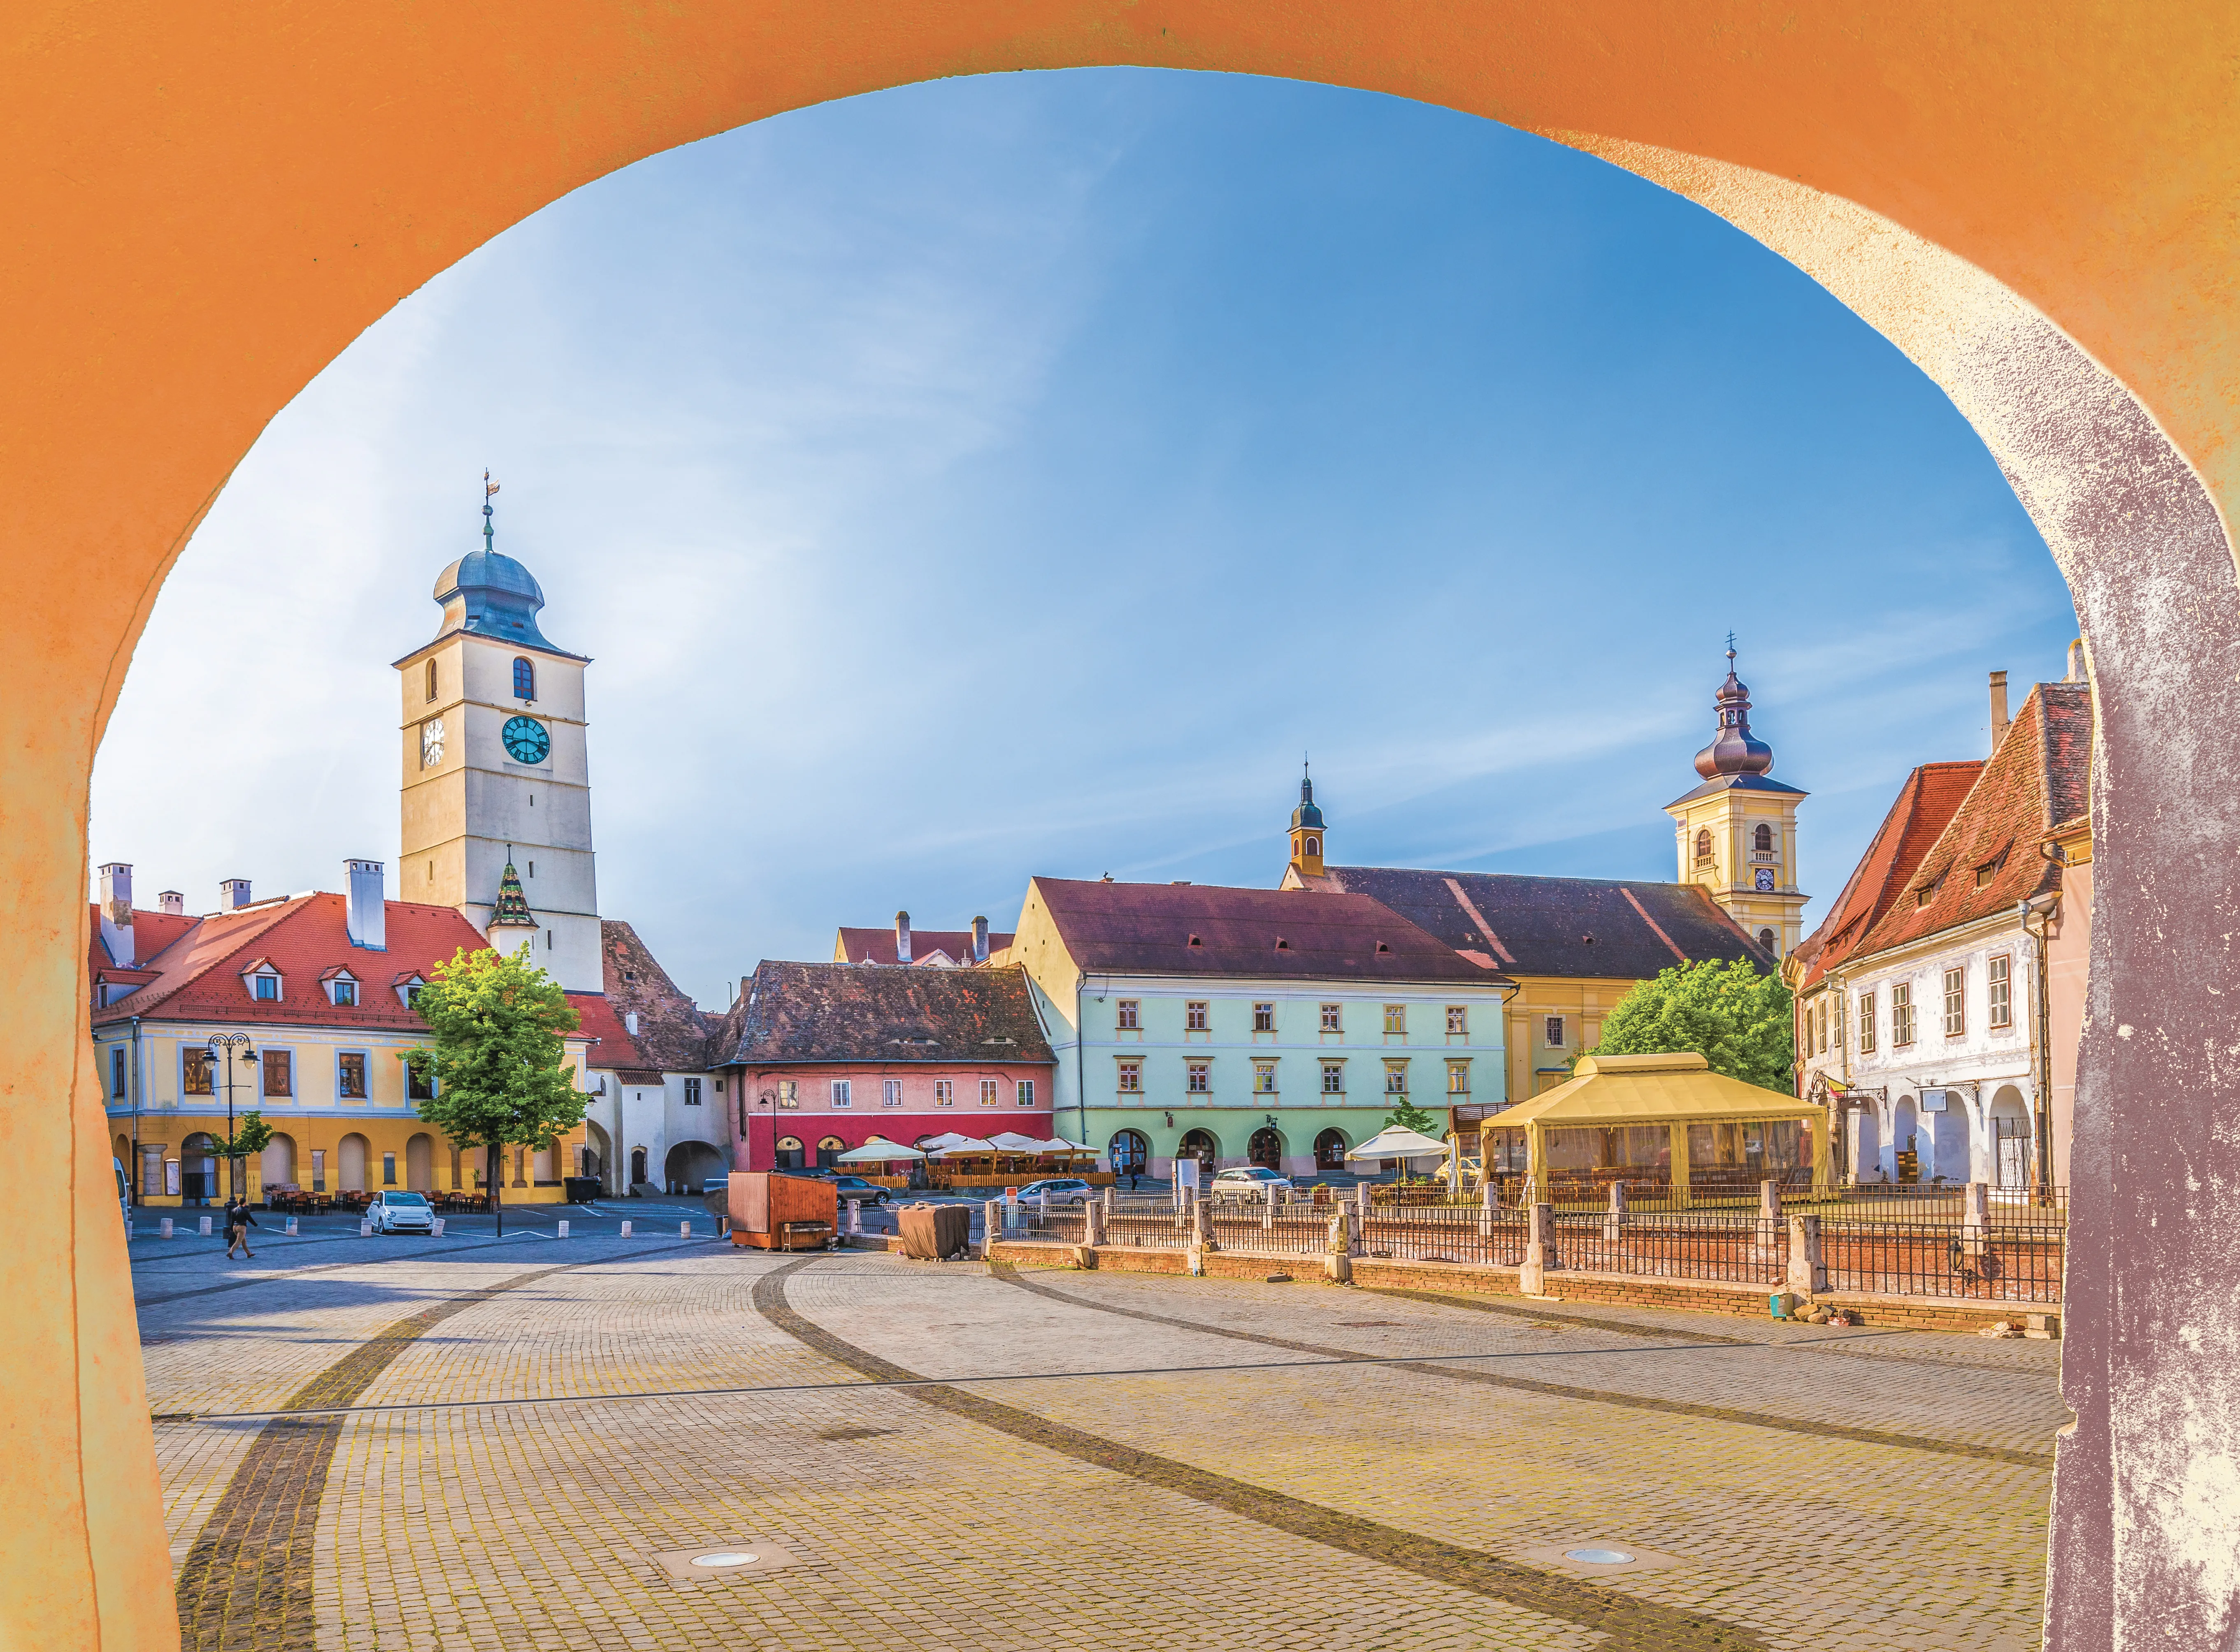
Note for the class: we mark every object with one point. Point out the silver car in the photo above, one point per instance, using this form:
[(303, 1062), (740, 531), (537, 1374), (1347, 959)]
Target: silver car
[(394, 1212), (1247, 1182)]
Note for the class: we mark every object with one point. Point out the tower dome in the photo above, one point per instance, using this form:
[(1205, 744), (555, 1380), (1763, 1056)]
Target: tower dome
[(1734, 750), (1307, 814), (491, 594)]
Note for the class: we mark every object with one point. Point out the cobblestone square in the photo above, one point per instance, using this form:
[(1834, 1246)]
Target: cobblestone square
[(471, 1443)]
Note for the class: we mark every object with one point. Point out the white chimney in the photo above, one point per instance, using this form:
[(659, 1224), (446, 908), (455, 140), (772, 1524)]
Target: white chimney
[(902, 938), (232, 893), (979, 940), (1998, 708), (117, 912), (173, 904), (629, 1020), (369, 911)]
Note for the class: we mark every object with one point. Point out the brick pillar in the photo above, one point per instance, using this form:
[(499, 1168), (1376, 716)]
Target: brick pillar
[(1807, 1275), (1614, 1222), (1540, 1252)]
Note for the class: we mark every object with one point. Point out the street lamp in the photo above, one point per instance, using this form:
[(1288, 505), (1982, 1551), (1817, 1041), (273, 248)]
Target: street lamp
[(230, 1042)]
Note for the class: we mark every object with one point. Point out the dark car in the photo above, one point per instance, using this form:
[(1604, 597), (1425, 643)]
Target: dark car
[(854, 1187)]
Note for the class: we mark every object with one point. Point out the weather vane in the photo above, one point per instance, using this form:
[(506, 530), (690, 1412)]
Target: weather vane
[(490, 531)]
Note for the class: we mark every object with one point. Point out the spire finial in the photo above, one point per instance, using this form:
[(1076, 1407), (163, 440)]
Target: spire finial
[(490, 530), (1730, 650)]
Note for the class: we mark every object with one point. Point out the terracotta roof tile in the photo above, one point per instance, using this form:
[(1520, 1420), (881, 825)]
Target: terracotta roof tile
[(884, 1013), (671, 1030), (877, 946), (1931, 795)]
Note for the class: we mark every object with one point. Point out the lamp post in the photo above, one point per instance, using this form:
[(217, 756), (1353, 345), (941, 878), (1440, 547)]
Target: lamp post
[(231, 1042)]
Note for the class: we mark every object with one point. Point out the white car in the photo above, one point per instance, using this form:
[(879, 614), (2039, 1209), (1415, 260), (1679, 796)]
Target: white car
[(1063, 1189), (1248, 1181), (401, 1213)]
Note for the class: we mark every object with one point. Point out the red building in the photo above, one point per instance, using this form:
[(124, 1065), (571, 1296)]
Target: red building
[(818, 1058)]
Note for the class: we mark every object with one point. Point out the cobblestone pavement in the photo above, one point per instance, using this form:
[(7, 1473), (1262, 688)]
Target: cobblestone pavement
[(474, 1443)]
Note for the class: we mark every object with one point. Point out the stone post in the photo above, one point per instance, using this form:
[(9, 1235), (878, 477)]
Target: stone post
[(1975, 1218), (992, 1226), (563, 1228), (1267, 1214), (855, 1218), (1540, 1252), (1338, 1262), (1104, 1202), (205, 1228), (1769, 1218), (1489, 1208), (1092, 1222), (1201, 1219), (1807, 1275), (1614, 1221)]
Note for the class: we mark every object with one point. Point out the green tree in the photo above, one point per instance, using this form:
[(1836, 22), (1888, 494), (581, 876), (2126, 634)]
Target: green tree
[(250, 1137), (1735, 1017), (499, 1063), (1407, 1116)]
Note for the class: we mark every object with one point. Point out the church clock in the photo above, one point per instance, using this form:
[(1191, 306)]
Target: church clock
[(526, 740)]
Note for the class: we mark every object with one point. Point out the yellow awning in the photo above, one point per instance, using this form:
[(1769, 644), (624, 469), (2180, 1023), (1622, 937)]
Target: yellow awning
[(1649, 1090)]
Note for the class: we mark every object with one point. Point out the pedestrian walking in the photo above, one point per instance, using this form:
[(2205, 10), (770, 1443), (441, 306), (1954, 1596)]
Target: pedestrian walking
[(238, 1221)]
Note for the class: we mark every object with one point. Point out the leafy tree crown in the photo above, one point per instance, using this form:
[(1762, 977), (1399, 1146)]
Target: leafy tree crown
[(499, 1060), (1737, 1018)]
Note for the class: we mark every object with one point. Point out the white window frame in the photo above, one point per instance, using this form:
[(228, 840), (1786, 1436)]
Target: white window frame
[(692, 1092), (1553, 1030), (1999, 991), (991, 1093), (844, 1093), (890, 1092), (1022, 1092), (1328, 1069), (1126, 1067), (944, 1092), (1264, 1078), (1195, 1070)]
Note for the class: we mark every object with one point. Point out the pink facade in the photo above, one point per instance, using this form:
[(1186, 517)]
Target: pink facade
[(2068, 944), (796, 1104)]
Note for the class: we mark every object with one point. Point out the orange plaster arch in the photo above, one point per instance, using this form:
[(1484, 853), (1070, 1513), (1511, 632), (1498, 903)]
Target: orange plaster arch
[(2035, 201)]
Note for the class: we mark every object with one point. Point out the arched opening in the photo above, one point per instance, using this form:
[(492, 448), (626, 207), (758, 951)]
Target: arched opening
[(598, 1155), (689, 1164), (1703, 844), (1763, 840), (1129, 1154), (1765, 938), (277, 1168), (1201, 1146), (1266, 1147), (829, 1150), (1867, 1147), (1905, 1141), (524, 678), (637, 1168), (2010, 1140), (420, 1164), (789, 1153), (351, 1163), (1330, 1150), (198, 1177)]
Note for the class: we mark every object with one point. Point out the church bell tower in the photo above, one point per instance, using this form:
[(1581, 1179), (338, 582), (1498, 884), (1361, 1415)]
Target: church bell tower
[(1736, 831), (496, 804), (1307, 831)]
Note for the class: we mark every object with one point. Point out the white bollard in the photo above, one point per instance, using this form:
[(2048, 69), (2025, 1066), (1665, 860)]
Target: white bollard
[(435, 1227), (855, 1218), (684, 1230), (365, 1230), (205, 1227), (291, 1226), (167, 1227), (626, 1230), (563, 1227)]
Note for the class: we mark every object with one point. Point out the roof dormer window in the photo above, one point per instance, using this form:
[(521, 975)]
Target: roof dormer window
[(264, 987), (341, 986), (408, 987)]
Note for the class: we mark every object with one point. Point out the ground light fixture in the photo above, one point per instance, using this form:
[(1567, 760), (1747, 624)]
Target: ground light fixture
[(725, 1557), (1599, 1557)]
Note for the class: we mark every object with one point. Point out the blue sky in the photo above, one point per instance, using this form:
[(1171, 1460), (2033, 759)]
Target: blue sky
[(1014, 475)]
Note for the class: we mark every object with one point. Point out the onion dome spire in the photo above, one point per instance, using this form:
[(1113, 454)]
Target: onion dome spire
[(512, 910), (1307, 814), (1734, 750)]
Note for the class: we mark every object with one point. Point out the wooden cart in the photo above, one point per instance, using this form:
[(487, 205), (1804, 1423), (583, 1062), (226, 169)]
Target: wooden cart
[(773, 1211)]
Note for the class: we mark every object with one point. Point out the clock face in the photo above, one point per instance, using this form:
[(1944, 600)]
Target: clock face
[(431, 742), (526, 740), (1765, 877)]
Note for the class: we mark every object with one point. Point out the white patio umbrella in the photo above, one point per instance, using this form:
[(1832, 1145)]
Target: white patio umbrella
[(1012, 1142), (1059, 1144), (880, 1152), (1395, 1142), (948, 1138), (965, 1147)]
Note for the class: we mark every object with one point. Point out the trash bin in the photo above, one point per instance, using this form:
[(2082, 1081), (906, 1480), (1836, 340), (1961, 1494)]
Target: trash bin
[(580, 1190), (935, 1232)]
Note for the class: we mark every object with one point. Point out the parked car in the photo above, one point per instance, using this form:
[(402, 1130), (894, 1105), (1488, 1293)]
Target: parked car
[(854, 1187), (1243, 1181), (717, 1184), (1063, 1189), (394, 1212)]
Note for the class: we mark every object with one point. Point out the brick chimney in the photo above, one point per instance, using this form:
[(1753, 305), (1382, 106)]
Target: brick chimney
[(1998, 708), (173, 904), (979, 940), (117, 912), (369, 911), (232, 893), (902, 938)]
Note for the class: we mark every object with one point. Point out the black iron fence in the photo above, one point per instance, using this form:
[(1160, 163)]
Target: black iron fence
[(2000, 1263), (1716, 1248)]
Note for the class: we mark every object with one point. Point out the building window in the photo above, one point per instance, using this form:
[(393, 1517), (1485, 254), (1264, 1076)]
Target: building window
[(345, 992), (431, 679), (1764, 840), (789, 1151), (1194, 1016), (116, 1072), (1458, 1021), (1552, 1033), (1333, 1018), (1836, 1021), (2000, 994), (1396, 1019), (1866, 1023), (1200, 1082), (389, 1169), (194, 1071), (1333, 1078), (789, 1092), (1130, 1016), (1131, 1078), (1902, 1014), (1396, 1078), (1263, 1018), (279, 1072), (264, 987), (1765, 939), (350, 1075), (1457, 1078), (1264, 1078), (1025, 1096), (890, 1092), (944, 1092), (524, 680), (843, 1092), (987, 1092), (318, 1169), (1703, 844), (419, 1082), (692, 1092), (1955, 1002)]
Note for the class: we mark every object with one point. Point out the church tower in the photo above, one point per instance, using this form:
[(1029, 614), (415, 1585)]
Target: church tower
[(1737, 830), (1306, 832), (497, 796)]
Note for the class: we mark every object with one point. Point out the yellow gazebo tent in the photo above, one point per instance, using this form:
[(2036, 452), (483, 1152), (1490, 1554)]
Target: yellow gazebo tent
[(1662, 1116)]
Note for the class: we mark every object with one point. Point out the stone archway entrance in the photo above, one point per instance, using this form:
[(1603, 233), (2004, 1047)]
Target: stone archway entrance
[(1201, 1146), (1266, 1147), (1330, 1150)]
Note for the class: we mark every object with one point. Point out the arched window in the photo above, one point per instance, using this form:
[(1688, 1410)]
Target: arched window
[(524, 680), (1765, 939), (431, 679), (1314, 846), (1765, 840), (1703, 844)]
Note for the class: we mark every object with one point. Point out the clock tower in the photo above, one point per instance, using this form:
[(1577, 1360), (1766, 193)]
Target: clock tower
[(496, 796), (1737, 830)]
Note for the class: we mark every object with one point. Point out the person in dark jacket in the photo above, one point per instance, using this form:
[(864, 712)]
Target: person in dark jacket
[(238, 1221)]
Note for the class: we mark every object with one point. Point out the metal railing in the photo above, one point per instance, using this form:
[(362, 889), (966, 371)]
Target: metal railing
[(2010, 1263), (1660, 1245)]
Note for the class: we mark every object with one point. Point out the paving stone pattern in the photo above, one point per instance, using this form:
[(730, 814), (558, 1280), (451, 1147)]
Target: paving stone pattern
[(956, 1458)]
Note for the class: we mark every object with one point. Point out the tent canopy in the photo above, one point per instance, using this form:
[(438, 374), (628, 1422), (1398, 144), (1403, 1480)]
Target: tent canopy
[(965, 1147), (1394, 1142), (1012, 1142), (1649, 1089), (878, 1151)]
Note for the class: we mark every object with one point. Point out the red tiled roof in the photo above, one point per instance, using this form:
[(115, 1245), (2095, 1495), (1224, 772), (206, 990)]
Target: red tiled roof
[(877, 946), (1986, 858), (197, 976), (614, 1050), (858, 1013), (151, 933), (1203, 929), (1931, 795), (671, 1030)]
